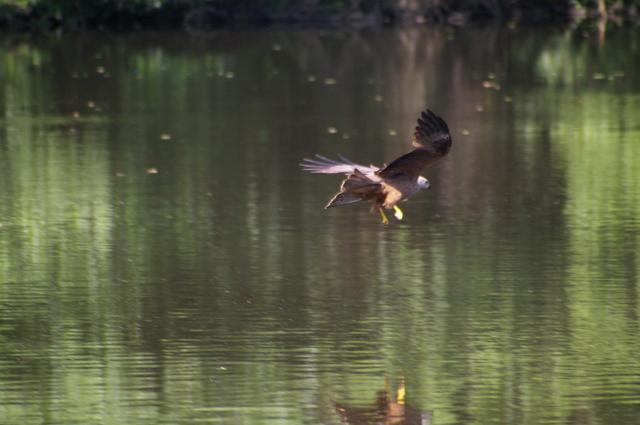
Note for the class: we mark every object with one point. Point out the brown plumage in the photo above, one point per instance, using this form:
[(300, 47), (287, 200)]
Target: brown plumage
[(386, 187)]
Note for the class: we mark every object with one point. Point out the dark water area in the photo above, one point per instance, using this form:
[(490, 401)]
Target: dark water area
[(164, 260)]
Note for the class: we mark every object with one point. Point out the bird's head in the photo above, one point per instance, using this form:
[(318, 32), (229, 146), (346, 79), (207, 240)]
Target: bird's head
[(423, 183)]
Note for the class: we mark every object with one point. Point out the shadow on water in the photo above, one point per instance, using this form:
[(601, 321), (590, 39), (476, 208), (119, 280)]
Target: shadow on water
[(158, 242)]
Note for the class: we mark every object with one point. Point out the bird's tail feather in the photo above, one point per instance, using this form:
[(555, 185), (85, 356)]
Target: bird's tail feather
[(343, 198), (353, 189)]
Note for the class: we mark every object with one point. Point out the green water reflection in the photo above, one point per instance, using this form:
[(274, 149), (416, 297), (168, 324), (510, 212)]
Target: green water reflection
[(164, 260)]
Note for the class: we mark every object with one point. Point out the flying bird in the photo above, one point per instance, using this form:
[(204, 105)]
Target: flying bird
[(387, 186)]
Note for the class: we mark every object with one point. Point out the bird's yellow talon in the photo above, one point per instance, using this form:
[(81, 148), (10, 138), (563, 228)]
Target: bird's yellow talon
[(398, 212), (385, 220), (401, 393)]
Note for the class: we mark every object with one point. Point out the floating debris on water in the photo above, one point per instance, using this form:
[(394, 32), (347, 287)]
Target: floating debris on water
[(119, 174), (91, 104), (345, 136), (330, 81), (465, 132), (392, 132), (100, 70), (490, 85), (152, 170), (75, 114), (479, 108), (332, 130), (165, 136), (598, 76), (276, 47), (229, 75), (508, 99), (378, 98)]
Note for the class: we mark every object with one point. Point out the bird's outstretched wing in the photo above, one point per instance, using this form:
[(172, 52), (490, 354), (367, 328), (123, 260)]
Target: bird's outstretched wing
[(432, 141), (328, 166)]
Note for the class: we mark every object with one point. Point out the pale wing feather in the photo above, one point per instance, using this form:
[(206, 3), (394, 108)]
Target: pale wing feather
[(323, 165)]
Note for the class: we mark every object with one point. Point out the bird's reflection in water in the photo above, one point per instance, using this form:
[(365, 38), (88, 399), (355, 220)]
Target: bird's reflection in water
[(385, 410)]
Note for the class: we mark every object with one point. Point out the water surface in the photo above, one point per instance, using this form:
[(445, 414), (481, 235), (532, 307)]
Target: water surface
[(163, 260)]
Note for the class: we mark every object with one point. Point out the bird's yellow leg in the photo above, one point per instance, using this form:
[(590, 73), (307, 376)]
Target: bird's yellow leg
[(385, 220), (398, 212), (401, 392)]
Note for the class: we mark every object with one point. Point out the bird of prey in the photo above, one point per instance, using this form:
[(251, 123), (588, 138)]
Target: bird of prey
[(385, 187)]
